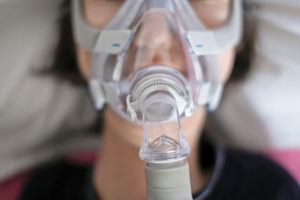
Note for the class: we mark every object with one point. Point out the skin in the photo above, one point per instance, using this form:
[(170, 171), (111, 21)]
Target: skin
[(119, 173)]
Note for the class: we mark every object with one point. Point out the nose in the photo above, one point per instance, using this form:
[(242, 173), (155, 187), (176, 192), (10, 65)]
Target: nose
[(157, 42), (155, 32)]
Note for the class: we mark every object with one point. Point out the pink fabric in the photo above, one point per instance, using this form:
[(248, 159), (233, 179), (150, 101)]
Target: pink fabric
[(11, 188), (289, 159), (88, 156)]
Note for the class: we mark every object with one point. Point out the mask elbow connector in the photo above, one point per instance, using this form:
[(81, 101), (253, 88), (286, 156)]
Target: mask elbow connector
[(163, 140)]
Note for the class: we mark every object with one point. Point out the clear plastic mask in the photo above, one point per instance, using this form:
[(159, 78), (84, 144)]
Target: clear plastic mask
[(155, 63)]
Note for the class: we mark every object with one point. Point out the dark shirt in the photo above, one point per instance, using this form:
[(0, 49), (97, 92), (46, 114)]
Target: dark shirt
[(237, 175)]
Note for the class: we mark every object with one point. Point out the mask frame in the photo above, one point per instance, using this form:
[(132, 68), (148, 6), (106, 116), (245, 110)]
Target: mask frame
[(115, 37)]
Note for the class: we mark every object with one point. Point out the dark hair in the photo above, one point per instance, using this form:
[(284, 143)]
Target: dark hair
[(246, 50), (65, 67)]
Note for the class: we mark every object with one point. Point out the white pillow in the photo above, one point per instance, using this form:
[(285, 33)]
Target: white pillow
[(39, 116), (264, 111)]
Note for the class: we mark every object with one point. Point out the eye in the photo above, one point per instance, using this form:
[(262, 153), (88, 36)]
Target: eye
[(212, 13), (98, 13)]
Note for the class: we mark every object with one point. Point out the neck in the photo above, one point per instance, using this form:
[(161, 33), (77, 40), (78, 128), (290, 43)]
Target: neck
[(119, 172)]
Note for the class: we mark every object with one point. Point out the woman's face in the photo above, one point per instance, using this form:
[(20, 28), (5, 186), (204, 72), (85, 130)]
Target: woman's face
[(213, 13)]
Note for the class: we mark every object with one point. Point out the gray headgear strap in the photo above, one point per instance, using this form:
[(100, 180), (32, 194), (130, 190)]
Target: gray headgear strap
[(88, 36)]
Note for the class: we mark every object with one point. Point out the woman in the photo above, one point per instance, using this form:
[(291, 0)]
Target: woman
[(118, 173)]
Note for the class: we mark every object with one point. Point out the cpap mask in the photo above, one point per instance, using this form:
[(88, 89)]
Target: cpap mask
[(155, 63)]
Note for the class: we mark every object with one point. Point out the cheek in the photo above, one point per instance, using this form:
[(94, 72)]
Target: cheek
[(226, 59), (193, 126), (83, 60)]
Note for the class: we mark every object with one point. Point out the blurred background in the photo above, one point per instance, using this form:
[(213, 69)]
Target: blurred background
[(262, 113), (41, 117)]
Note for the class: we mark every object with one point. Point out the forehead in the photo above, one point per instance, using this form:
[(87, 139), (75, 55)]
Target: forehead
[(212, 13)]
